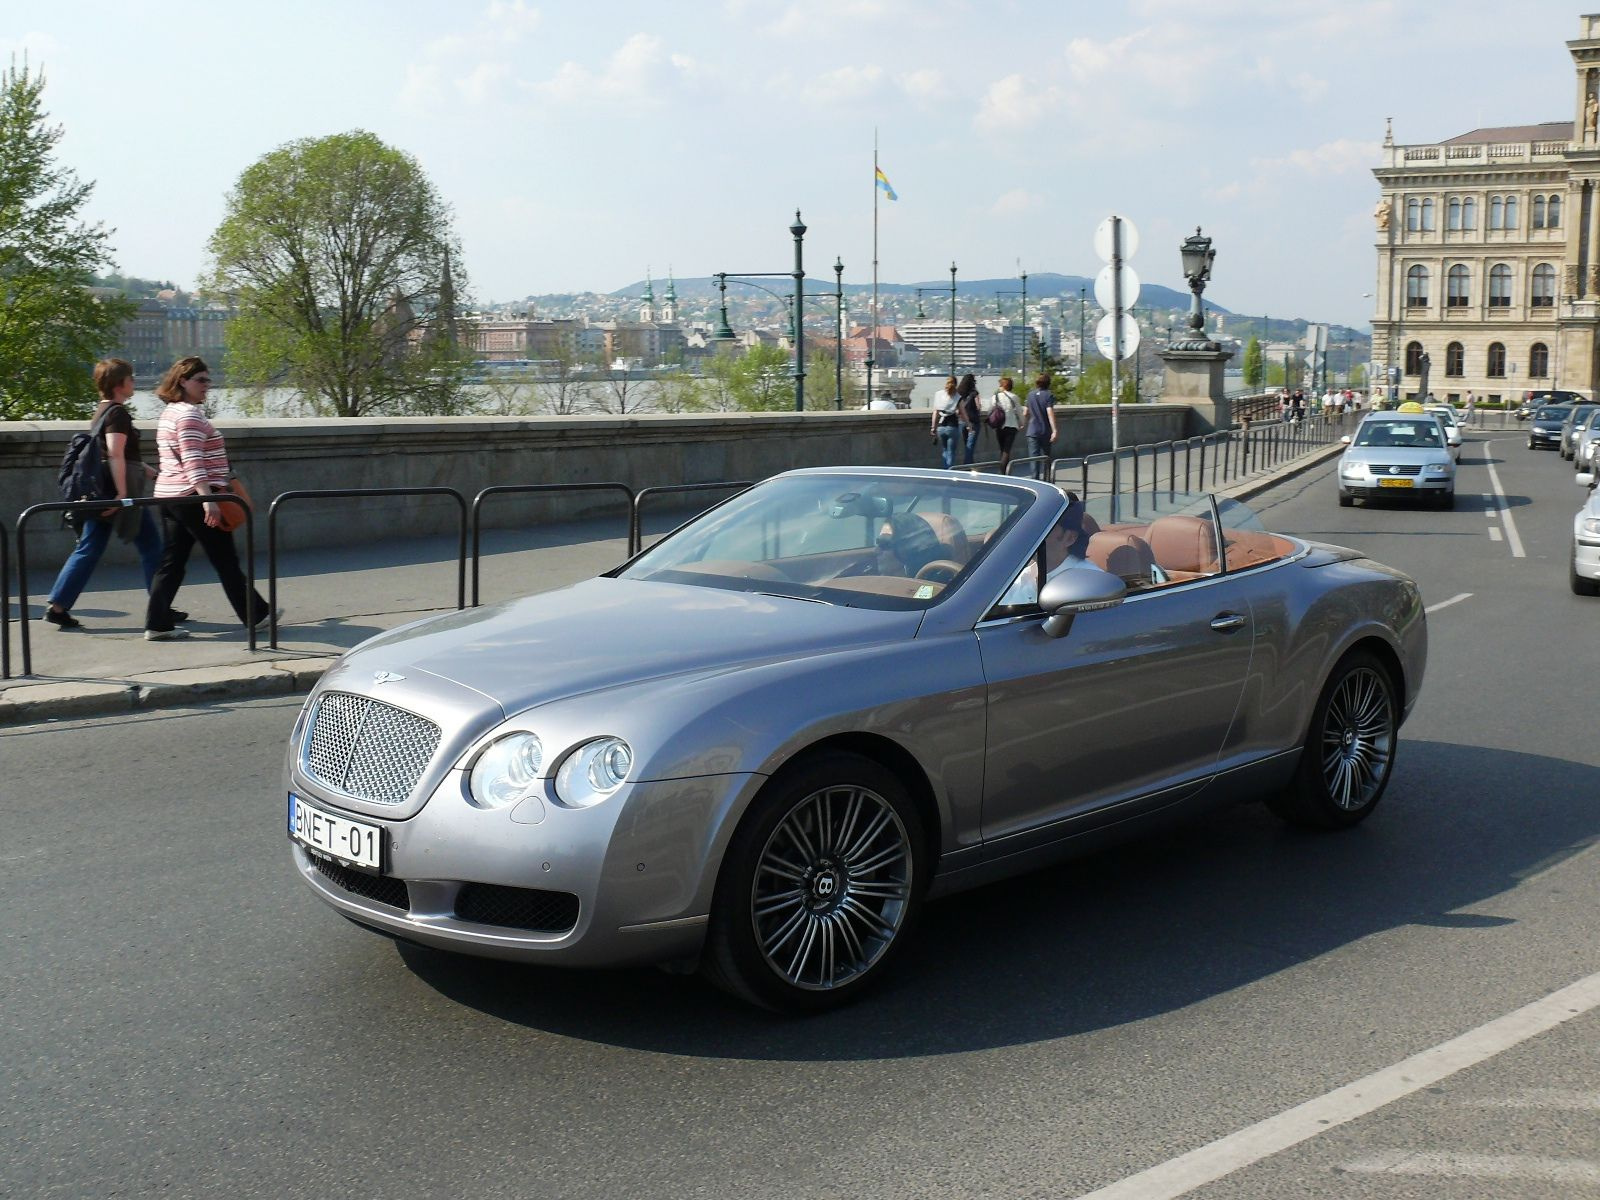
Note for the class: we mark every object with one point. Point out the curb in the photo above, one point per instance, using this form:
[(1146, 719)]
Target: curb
[(31, 703)]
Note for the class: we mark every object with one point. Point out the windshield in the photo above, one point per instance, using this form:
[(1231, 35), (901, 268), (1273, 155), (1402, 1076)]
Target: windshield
[(1550, 414), (857, 541), (1400, 433), (1580, 413)]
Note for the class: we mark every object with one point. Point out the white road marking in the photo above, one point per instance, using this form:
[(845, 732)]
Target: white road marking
[(1494, 534), (1505, 511), (1479, 1166), (1456, 599), (1223, 1157)]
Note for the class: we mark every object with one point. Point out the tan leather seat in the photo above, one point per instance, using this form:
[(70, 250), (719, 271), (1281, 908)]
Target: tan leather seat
[(1125, 555), (950, 534), (1183, 544), (916, 539)]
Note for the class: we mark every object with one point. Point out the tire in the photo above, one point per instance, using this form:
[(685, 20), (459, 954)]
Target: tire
[(1346, 500), (818, 888), (1349, 748), (1530, 443), (1581, 585), (1447, 501)]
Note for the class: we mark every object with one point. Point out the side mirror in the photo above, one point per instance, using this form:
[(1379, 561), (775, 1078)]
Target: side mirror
[(1345, 440), (1078, 590), (1584, 479)]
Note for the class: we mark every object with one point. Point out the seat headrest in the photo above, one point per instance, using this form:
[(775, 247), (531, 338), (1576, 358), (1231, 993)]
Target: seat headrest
[(1183, 543)]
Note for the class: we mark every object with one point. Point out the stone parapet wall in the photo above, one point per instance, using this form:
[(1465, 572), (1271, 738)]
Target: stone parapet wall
[(472, 453)]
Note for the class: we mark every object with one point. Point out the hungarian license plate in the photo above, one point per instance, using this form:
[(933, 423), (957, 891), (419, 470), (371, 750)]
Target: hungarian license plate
[(1394, 483), (354, 842)]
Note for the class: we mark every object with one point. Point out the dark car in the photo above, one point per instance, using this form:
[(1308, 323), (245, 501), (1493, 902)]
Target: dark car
[(1536, 400), (1544, 430), (1577, 418)]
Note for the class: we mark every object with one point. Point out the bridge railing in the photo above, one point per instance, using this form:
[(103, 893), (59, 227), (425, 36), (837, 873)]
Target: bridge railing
[(546, 489)]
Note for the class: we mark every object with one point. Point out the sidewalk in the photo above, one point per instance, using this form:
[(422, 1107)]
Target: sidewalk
[(330, 599)]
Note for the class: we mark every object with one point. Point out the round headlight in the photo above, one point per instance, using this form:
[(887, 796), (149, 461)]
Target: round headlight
[(508, 770), (593, 771)]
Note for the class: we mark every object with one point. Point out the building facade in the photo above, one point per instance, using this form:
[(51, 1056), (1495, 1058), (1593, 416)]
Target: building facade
[(1488, 249)]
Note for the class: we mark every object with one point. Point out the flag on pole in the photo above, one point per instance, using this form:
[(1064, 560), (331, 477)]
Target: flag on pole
[(883, 182)]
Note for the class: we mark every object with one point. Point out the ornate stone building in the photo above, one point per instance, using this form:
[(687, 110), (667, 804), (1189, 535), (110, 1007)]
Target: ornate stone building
[(1489, 253)]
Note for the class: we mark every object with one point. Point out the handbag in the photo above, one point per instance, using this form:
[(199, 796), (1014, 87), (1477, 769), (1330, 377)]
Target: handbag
[(233, 514), (997, 414)]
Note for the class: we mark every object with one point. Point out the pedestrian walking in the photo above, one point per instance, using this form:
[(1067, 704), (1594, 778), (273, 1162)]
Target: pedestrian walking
[(1041, 428), (1005, 429), (970, 411), (113, 379), (945, 422), (194, 461), (1470, 416)]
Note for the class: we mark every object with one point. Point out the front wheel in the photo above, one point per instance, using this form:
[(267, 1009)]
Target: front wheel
[(1582, 585), (1346, 500), (818, 887), (1349, 748)]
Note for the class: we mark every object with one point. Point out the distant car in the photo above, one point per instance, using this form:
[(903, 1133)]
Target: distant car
[(1586, 541), (1544, 428), (1584, 439), (1577, 415), (1537, 400), (1452, 427), (760, 745), (1397, 455)]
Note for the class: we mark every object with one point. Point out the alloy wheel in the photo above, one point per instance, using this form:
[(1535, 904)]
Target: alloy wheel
[(1357, 739)]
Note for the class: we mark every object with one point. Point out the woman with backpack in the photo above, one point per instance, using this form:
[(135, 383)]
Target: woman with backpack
[(971, 418), (1005, 418), (946, 426), (113, 379)]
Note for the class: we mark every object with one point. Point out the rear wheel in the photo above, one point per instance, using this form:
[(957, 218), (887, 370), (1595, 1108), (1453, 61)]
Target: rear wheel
[(1349, 748), (819, 885)]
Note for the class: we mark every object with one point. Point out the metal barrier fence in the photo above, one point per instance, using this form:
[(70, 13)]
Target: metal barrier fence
[(538, 488), (96, 507), (5, 606), (635, 525), (346, 494)]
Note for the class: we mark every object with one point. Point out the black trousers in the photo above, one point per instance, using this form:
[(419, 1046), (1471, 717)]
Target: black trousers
[(182, 528)]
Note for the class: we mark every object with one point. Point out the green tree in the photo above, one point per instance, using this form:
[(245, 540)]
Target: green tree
[(820, 379), (1252, 362), (1095, 385), (51, 327), (762, 380), (341, 259)]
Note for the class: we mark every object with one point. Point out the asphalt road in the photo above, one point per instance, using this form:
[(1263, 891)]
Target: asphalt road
[(183, 1019)]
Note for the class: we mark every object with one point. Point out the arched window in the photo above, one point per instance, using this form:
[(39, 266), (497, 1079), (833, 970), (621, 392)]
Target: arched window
[(1539, 360), (1458, 287), (1469, 212), (1452, 213), (1427, 214), (1511, 212), (1413, 358), (1497, 212), (1417, 287), (1544, 286), (1500, 286), (1538, 212), (1455, 359), (1552, 216), (1497, 360)]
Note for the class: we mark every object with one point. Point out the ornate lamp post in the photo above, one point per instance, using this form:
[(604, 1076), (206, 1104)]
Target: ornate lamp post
[(1026, 334), (1194, 361), (952, 317), (799, 231), (838, 333), (724, 331), (1198, 256)]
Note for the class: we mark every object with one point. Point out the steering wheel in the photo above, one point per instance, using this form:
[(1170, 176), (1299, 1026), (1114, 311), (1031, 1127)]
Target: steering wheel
[(940, 570)]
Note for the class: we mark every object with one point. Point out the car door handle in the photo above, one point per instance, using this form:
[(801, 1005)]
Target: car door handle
[(1227, 622)]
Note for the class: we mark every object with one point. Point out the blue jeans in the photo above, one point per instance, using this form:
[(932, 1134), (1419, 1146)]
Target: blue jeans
[(971, 439), (92, 539), (947, 443), (1039, 447)]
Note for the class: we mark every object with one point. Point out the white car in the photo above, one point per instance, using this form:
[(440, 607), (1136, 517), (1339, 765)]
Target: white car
[(1584, 437), (1452, 427), (1586, 541)]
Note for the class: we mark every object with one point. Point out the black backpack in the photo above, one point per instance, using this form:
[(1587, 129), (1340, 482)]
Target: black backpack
[(83, 474)]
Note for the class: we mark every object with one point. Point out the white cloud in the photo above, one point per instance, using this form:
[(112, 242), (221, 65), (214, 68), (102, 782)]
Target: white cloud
[(638, 70), (829, 16), (1015, 202), (512, 19), (478, 85), (1343, 157), (920, 85), (1015, 102)]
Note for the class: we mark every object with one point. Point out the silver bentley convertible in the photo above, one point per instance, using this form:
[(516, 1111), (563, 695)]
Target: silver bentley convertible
[(763, 743)]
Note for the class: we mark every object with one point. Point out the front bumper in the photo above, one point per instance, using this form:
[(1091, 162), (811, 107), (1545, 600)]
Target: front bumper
[(1544, 437), (1366, 487), (627, 881)]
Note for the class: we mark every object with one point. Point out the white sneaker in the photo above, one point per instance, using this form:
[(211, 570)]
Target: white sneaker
[(165, 635)]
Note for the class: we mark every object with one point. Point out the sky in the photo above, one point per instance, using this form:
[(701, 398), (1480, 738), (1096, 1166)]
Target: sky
[(582, 144)]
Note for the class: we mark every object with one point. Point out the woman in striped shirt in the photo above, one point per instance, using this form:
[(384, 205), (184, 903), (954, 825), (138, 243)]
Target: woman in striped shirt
[(193, 462)]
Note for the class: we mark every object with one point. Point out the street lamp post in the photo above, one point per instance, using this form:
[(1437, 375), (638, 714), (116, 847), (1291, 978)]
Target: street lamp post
[(1026, 338), (838, 334), (953, 317), (799, 231), (1082, 304)]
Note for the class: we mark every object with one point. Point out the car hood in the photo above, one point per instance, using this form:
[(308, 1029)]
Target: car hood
[(606, 632), (1397, 454)]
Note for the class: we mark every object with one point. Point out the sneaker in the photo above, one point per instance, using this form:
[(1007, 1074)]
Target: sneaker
[(179, 617), (62, 620), (165, 635), (262, 619)]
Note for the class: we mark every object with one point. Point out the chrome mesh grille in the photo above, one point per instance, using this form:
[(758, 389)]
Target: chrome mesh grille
[(1398, 469), (368, 749)]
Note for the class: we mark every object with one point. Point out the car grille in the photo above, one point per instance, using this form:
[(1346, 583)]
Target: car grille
[(366, 748), (382, 888), (517, 908), (1401, 469)]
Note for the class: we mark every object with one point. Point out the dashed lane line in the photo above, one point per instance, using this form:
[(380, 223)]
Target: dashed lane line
[(1504, 507), (1181, 1175), (1456, 599)]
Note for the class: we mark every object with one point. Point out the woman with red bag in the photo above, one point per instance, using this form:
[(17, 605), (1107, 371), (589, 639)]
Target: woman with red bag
[(193, 462)]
